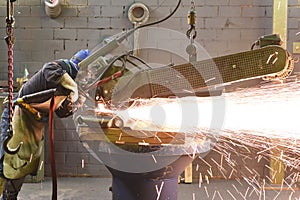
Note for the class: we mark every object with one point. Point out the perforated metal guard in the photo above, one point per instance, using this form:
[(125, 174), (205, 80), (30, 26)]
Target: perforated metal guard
[(219, 70), (186, 78)]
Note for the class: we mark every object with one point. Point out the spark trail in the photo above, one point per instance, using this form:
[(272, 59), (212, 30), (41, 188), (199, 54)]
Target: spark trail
[(269, 110), (258, 120)]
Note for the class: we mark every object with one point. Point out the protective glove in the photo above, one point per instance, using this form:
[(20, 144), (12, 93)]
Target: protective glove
[(67, 108), (68, 83), (80, 101)]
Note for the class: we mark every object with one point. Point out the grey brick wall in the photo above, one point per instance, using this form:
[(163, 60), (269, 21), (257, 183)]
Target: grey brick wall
[(224, 26), (72, 159)]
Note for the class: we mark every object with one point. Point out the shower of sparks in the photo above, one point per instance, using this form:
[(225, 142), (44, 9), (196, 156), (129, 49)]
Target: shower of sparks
[(220, 195), (267, 111), (213, 197), (82, 163), (207, 179), (259, 122), (206, 191), (200, 180), (30, 159), (158, 191), (270, 57), (120, 136), (41, 165), (231, 194), (154, 158)]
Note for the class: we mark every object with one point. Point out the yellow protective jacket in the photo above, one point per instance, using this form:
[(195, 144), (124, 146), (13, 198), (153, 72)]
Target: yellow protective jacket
[(30, 133)]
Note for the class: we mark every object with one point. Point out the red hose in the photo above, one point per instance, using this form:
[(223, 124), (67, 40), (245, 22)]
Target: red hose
[(52, 157)]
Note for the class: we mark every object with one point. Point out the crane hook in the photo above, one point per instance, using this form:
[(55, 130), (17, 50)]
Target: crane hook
[(6, 148), (191, 32)]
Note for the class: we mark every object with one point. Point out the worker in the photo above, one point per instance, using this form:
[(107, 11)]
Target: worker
[(27, 130)]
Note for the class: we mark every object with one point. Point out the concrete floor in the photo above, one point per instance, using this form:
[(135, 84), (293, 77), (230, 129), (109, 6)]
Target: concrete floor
[(70, 188)]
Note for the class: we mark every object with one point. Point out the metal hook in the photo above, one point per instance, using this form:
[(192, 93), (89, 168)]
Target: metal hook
[(6, 147), (192, 22), (189, 32)]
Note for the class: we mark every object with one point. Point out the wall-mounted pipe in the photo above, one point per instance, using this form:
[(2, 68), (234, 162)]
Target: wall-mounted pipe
[(52, 8), (138, 13), (280, 15)]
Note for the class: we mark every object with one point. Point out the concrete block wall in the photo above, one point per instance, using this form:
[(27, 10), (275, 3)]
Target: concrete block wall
[(72, 158), (223, 26)]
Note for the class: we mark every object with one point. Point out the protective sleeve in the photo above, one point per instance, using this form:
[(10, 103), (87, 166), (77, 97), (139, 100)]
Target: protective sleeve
[(68, 83), (46, 78), (53, 72)]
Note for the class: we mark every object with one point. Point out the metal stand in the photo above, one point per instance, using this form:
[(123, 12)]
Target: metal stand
[(144, 189), (280, 9), (159, 184)]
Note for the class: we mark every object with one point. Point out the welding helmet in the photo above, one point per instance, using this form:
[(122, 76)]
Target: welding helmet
[(79, 56)]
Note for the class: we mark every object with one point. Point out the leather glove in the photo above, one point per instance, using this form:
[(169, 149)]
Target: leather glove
[(80, 101), (68, 83), (67, 108)]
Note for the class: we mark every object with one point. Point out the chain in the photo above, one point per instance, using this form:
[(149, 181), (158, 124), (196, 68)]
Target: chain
[(10, 76), (10, 42)]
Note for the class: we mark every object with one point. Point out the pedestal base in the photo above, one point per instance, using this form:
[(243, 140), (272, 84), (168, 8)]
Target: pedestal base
[(143, 189), (159, 184)]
